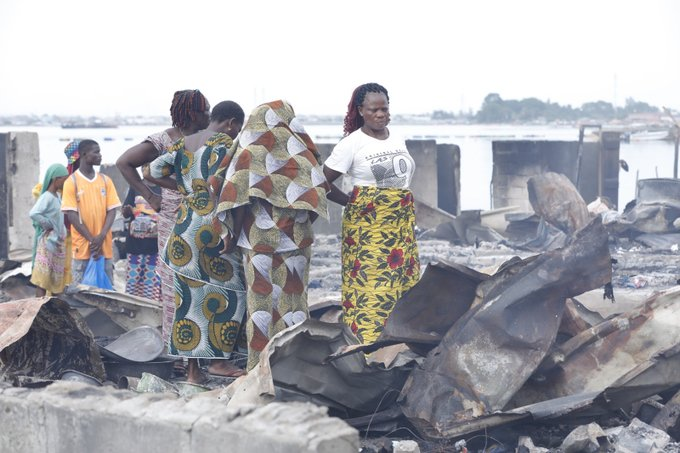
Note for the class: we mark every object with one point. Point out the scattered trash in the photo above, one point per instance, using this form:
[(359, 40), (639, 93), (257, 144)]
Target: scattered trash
[(150, 383), (115, 370), (44, 337), (141, 344), (590, 437)]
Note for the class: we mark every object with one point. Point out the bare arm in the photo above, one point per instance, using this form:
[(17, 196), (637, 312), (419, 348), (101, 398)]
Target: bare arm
[(80, 227), (231, 240), (336, 195), (128, 163), (108, 223), (167, 182), (98, 240)]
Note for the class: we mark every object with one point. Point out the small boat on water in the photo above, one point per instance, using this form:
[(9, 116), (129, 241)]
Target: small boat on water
[(88, 125), (645, 135)]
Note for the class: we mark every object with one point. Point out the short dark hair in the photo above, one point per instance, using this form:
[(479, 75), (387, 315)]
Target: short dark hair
[(85, 145), (227, 110)]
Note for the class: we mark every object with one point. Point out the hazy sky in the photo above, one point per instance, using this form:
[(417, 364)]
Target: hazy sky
[(86, 57)]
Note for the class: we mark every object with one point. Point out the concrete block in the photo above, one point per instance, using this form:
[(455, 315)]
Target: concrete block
[(117, 178), (290, 427), (20, 168), (72, 417), (23, 424), (424, 183)]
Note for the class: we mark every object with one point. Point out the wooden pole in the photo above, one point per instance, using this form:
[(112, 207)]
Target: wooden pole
[(676, 133), (675, 161)]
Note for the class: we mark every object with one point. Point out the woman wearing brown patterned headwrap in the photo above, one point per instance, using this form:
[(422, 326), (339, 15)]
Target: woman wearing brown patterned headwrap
[(273, 190)]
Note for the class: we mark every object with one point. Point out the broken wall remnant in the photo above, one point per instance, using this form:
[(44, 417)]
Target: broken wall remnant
[(117, 178), (448, 178), (425, 180), (657, 206), (75, 417), (515, 161), (489, 353), (19, 163)]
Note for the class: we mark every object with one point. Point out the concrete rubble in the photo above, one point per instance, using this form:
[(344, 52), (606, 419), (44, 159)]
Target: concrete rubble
[(68, 417)]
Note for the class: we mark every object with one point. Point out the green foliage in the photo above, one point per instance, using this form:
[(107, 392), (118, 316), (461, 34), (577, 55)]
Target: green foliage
[(498, 110)]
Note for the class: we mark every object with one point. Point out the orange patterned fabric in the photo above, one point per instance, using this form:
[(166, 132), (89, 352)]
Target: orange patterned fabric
[(276, 295), (274, 160)]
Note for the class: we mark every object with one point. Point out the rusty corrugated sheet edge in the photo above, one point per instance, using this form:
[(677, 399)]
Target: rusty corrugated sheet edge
[(16, 318), (468, 375)]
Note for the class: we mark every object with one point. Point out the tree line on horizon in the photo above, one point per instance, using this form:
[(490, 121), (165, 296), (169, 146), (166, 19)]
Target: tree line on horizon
[(495, 109)]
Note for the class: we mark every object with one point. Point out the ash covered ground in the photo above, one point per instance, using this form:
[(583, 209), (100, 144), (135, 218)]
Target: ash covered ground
[(638, 271)]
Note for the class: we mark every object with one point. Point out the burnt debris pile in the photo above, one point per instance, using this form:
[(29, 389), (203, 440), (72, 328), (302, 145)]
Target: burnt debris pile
[(509, 357)]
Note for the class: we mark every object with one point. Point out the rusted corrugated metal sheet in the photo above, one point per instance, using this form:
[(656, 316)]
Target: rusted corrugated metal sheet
[(127, 311), (492, 350), (293, 367), (427, 311), (43, 337), (633, 350), (423, 315)]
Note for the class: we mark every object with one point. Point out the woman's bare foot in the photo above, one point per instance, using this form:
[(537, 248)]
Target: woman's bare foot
[(194, 373), (225, 368)]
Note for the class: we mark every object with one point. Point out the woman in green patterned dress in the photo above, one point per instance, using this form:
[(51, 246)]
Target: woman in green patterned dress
[(209, 285)]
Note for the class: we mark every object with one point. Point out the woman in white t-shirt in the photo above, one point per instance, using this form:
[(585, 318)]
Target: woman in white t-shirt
[(379, 251)]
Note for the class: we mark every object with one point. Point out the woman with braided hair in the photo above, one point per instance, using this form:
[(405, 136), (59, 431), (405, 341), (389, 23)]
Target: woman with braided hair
[(190, 112), (209, 285), (379, 252)]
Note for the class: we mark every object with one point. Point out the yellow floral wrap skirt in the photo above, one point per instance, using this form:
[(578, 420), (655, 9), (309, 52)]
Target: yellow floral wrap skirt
[(379, 257)]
